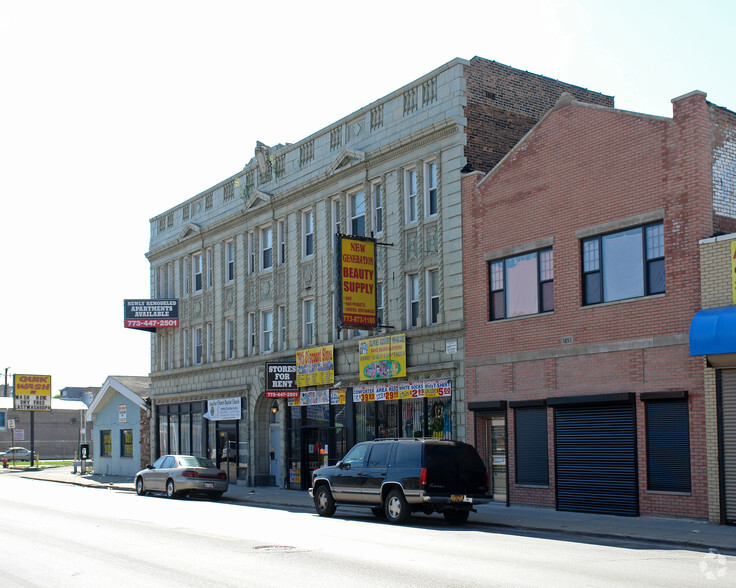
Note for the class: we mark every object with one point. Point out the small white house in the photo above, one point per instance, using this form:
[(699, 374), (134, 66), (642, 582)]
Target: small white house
[(120, 416)]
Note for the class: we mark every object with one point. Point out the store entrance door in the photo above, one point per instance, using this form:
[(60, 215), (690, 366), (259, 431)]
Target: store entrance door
[(227, 449), (496, 455), (315, 451)]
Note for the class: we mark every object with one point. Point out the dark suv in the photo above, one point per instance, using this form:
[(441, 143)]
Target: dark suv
[(396, 477)]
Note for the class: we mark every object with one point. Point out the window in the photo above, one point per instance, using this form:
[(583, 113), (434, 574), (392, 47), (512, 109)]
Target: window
[(229, 339), (522, 285), (357, 211), (162, 282), (209, 344), (251, 254), (433, 296), (410, 195), (185, 346), (170, 272), (336, 217), (307, 234), (308, 322), (197, 347), (229, 261), (185, 272), (251, 333), (380, 304), (162, 340), (282, 327), (2, 420), (106, 443), (209, 268), (378, 208), (622, 265), (668, 446), (267, 331), (430, 188), (197, 272), (412, 300), (532, 461), (281, 242), (126, 443), (266, 248)]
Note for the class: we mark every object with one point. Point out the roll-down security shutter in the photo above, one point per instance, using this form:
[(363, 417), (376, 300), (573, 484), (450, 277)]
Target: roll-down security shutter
[(728, 416), (595, 451)]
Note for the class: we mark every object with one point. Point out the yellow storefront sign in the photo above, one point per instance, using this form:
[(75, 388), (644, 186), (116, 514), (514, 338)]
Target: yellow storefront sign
[(382, 357)]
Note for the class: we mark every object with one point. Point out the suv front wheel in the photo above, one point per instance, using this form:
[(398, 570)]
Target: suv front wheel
[(397, 508), (324, 502)]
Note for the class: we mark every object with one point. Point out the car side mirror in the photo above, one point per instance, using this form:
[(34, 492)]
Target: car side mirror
[(149, 466), (343, 466)]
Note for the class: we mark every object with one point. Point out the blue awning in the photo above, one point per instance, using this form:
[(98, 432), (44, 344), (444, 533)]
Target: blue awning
[(713, 331)]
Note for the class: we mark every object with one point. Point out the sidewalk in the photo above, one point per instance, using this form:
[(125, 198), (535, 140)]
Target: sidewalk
[(669, 532)]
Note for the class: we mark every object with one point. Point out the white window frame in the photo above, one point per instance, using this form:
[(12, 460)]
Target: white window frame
[(282, 328), (432, 295), (266, 248), (412, 301), (429, 187), (411, 208), (209, 268), (307, 234), (185, 346), (251, 333), (308, 322), (356, 215), (377, 204), (336, 210), (197, 346), (281, 241), (229, 338), (197, 277), (380, 304), (251, 253), (229, 261), (267, 331), (209, 355)]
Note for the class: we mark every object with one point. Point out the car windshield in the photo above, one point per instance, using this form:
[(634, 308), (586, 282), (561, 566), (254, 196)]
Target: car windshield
[(196, 462)]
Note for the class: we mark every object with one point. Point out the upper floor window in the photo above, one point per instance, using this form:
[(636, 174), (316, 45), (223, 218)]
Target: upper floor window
[(197, 272), (266, 248), (357, 214), (267, 331), (522, 285), (281, 241), (410, 195), (380, 304), (162, 282), (229, 261), (185, 277), (209, 268), (622, 265), (251, 333), (307, 234), (433, 296), (229, 339), (308, 322), (209, 344), (378, 208), (197, 347), (412, 300), (430, 188), (282, 327), (336, 216), (251, 254)]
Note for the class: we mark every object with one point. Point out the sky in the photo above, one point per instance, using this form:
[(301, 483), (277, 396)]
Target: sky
[(113, 112)]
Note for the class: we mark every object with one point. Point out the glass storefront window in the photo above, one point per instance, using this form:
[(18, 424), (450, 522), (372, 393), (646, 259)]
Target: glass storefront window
[(186, 434), (388, 419), (197, 435), (317, 416), (174, 433), (440, 418), (365, 421), (340, 439), (412, 418)]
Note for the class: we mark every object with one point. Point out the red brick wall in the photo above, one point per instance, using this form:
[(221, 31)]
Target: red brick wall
[(581, 167), (503, 103)]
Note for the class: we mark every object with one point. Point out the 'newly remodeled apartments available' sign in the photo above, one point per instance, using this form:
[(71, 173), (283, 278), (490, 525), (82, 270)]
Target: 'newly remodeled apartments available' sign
[(149, 315)]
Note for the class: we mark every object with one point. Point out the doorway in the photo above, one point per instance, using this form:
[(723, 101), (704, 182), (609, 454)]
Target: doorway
[(227, 449), (495, 434), (316, 450)]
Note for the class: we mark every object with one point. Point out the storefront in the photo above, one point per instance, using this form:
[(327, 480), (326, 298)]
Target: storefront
[(324, 424), (217, 429)]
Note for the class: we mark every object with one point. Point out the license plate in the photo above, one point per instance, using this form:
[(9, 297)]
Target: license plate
[(209, 485), (457, 498)]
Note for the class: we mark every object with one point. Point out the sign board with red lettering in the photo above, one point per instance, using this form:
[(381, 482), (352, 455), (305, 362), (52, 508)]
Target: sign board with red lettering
[(355, 278), (281, 380), (31, 392), (149, 315)]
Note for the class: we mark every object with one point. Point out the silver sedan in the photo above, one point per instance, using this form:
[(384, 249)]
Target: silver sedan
[(182, 475)]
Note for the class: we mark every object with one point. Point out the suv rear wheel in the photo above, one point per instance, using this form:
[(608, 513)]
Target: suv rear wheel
[(396, 507), (324, 502)]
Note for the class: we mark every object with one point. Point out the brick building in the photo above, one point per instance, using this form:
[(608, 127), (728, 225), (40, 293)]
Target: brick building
[(581, 272), (252, 263)]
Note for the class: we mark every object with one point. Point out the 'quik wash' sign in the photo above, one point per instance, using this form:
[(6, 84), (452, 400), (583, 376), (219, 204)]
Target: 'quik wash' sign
[(31, 392)]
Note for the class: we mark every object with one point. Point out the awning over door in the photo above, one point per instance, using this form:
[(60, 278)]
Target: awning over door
[(713, 331)]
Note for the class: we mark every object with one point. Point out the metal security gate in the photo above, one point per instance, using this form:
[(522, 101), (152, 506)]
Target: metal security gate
[(728, 428), (595, 452)]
